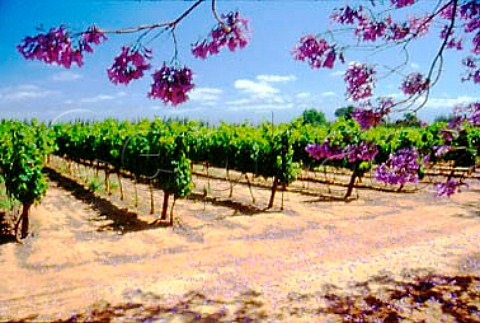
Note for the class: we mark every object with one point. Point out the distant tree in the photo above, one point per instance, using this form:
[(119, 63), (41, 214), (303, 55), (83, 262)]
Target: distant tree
[(314, 117), (444, 118), (345, 112), (410, 120)]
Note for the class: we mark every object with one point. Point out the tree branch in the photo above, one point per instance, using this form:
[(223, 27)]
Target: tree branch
[(169, 24)]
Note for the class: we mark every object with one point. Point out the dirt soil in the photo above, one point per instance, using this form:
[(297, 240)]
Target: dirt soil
[(228, 255)]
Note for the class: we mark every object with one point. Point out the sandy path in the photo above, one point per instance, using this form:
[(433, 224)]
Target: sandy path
[(75, 258)]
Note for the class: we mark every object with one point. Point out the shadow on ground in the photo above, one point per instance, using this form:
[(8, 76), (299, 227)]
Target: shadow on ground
[(385, 299), (120, 220), (6, 238), (381, 298), (238, 207), (6, 229)]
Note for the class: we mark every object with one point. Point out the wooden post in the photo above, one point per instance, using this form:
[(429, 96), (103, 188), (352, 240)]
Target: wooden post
[(107, 179), (274, 190), (231, 184), (166, 195), (120, 184), (96, 170), (171, 210), (24, 218), (136, 190), (152, 200), (250, 188), (208, 177), (352, 182)]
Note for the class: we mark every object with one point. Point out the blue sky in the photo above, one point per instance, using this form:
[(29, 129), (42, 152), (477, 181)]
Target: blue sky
[(248, 84)]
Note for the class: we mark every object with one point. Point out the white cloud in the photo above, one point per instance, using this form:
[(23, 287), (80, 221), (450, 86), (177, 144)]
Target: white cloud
[(303, 95), (276, 78), (414, 66), (273, 102), (103, 97), (242, 101), (260, 95), (257, 89), (97, 98), (258, 100), (449, 102), (206, 95), (328, 94), (263, 107), (66, 76), (24, 92), (396, 95), (337, 73)]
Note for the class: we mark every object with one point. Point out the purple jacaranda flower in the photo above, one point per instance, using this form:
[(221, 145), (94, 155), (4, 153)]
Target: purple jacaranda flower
[(171, 84), (360, 81), (57, 46), (448, 188), (401, 167), (129, 65), (317, 52), (414, 83), (232, 33)]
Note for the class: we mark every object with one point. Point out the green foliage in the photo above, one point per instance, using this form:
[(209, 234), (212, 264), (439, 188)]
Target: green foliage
[(409, 120), (313, 117), (344, 132), (94, 186), (23, 151), (149, 149), (264, 151), (345, 112), (364, 167), (443, 118), (467, 147), (162, 151)]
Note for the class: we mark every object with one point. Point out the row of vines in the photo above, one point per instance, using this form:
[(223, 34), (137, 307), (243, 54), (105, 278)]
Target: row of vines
[(344, 145), (23, 152), (277, 152), (162, 153)]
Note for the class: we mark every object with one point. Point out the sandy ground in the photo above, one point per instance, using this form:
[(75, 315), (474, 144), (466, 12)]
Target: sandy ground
[(93, 251)]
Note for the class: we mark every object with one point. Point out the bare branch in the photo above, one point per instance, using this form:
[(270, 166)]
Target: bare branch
[(217, 18), (169, 24), (445, 41), (175, 46)]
